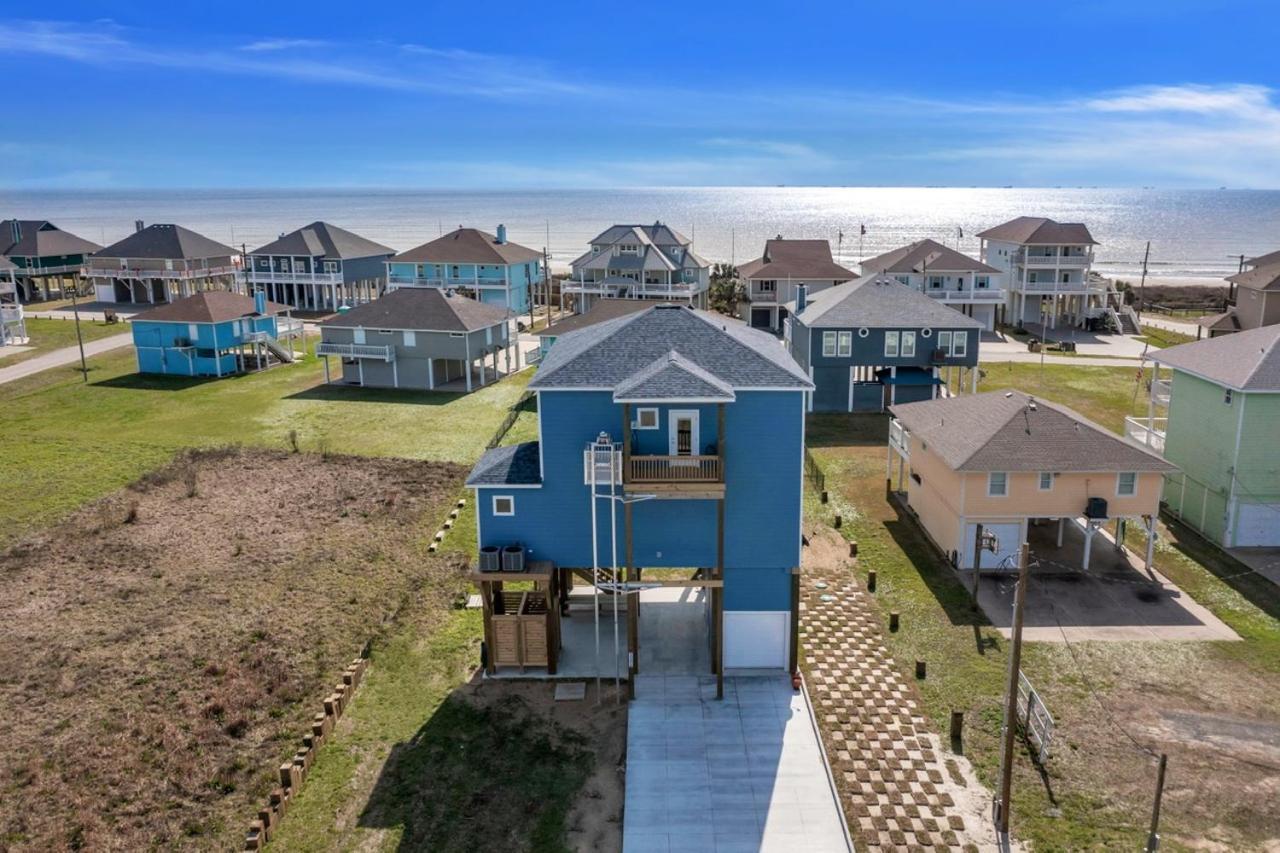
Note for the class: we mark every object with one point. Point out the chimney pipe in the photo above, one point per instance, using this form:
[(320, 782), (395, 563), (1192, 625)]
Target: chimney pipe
[(802, 297), (138, 225), (502, 234), (260, 301), (16, 228)]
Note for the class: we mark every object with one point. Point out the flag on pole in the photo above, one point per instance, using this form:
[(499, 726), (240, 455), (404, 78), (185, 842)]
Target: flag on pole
[(959, 232), (862, 230)]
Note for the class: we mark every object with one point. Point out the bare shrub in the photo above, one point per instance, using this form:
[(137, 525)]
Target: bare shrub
[(293, 440)]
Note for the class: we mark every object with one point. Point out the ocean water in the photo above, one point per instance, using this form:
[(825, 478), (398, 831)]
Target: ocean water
[(1194, 234)]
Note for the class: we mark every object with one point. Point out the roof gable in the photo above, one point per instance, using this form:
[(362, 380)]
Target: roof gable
[(609, 354), (1246, 361), (468, 246), (923, 256), (168, 242), (1039, 231), (320, 239), (420, 309), (1012, 431), (879, 302), (672, 377)]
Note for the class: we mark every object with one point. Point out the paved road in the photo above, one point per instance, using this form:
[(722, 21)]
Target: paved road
[(60, 357), (1034, 358)]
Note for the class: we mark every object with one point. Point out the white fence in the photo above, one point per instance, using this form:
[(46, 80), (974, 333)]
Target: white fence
[(1034, 717)]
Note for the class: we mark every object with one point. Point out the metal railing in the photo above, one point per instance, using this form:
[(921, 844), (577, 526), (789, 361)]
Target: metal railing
[(288, 326), (1059, 287), (980, 294), (1162, 391), (1149, 432), (356, 350), (1083, 259), (168, 275), (675, 469), (296, 277), (60, 269)]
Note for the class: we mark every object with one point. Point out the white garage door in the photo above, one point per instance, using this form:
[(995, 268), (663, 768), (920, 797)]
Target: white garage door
[(756, 639), (1009, 535), (1257, 525)]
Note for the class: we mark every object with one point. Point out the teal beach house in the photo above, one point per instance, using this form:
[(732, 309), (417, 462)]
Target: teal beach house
[(487, 267)]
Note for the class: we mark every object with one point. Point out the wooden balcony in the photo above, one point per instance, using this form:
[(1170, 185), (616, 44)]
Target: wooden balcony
[(676, 476)]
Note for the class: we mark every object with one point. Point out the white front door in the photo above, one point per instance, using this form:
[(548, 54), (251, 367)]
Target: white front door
[(682, 433)]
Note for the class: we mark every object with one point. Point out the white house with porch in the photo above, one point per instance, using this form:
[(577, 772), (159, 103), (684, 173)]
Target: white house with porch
[(956, 280)]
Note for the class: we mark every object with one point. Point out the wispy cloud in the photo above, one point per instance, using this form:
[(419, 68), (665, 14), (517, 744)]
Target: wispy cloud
[(1226, 100), (412, 68), (273, 44)]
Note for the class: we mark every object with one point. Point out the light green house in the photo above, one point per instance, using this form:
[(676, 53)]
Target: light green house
[(1222, 430)]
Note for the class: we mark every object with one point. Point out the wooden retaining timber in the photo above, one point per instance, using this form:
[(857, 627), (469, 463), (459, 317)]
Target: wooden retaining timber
[(293, 773)]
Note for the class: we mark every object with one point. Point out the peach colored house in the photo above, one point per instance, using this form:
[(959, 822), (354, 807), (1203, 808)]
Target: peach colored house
[(1003, 460)]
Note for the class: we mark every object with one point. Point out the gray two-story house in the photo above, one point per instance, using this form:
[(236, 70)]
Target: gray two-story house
[(319, 267), (875, 342), (419, 338)]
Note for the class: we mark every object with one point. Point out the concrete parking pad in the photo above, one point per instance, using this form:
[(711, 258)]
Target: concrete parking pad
[(744, 773)]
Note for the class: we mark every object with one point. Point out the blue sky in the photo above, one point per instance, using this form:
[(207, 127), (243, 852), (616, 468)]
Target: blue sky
[(490, 95)]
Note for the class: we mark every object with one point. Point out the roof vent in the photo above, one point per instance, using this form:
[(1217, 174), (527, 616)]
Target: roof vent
[(16, 227), (138, 225)]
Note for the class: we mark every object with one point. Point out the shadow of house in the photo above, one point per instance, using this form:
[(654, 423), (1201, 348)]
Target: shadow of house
[(480, 776), (155, 381), (356, 394)]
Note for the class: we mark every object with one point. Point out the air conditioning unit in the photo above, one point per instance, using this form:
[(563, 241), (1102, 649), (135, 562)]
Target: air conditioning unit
[(1096, 508), (490, 559), (513, 558)]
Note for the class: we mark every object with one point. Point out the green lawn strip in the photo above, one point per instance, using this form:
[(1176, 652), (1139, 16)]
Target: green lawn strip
[(418, 766), (83, 440), (1102, 394), (1159, 337), (48, 335)]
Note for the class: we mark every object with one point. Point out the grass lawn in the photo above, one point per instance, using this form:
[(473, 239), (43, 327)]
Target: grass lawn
[(1094, 792), (80, 441), (1162, 338), (48, 335)]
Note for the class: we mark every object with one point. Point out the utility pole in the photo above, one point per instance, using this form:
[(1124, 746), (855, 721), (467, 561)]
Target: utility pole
[(1153, 839), (1011, 693), (1142, 285), (546, 276), (75, 309)]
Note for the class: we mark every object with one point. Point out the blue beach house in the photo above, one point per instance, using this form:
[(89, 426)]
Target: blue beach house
[(484, 266), (687, 427), (214, 333), (875, 342)]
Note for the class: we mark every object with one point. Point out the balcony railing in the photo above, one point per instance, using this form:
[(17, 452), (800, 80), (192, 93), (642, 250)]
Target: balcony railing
[(1149, 432), (446, 281), (651, 470), (1082, 259), (61, 269), (980, 294), (1162, 391), (899, 438), (168, 275), (286, 326), (634, 288), (356, 350), (10, 314), (1060, 287), (295, 277)]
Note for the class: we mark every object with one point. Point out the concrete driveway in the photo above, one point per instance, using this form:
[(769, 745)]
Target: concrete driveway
[(1116, 599), (64, 356), (744, 773)]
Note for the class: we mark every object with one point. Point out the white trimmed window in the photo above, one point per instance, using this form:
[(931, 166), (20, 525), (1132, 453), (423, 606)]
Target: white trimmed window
[(829, 344), (357, 336), (410, 338), (1126, 484), (646, 419), (997, 484), (846, 344), (1046, 481), (944, 342), (767, 286), (891, 344), (504, 505), (959, 344), (330, 266), (908, 344)]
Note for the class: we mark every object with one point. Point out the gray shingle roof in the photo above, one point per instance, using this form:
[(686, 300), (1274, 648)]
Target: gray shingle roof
[(925, 255), (803, 259), (1039, 231), (171, 242), (320, 239), (609, 354), (512, 465), (672, 377), (1262, 277), (210, 306), (469, 246), (1265, 260), (603, 309), (39, 238), (999, 431), (1246, 361), (420, 309), (876, 302)]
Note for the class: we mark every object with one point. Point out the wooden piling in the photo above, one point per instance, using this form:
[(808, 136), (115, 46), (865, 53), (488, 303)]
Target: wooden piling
[(893, 621)]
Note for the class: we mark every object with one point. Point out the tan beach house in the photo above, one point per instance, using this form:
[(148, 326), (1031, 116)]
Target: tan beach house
[(1011, 462)]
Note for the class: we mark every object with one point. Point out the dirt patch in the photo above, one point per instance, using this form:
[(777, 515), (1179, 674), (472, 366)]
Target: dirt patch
[(166, 645)]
